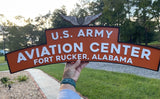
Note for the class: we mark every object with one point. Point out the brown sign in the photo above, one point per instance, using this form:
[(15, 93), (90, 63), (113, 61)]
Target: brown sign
[(87, 44)]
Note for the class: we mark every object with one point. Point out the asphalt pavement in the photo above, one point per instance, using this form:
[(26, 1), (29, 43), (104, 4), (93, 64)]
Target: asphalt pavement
[(124, 69)]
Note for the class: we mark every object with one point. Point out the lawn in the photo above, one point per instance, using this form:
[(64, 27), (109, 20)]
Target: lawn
[(154, 43), (3, 67), (99, 84), (2, 60)]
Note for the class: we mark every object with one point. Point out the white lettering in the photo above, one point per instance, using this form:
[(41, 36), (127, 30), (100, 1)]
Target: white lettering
[(113, 47), (21, 57), (129, 61), (94, 56), (59, 48), (37, 52), (35, 61), (91, 47), (79, 56), (53, 37), (116, 58), (30, 56), (135, 51), (69, 57), (110, 57), (65, 33), (81, 33), (58, 58), (105, 57), (122, 59), (108, 33), (45, 52), (80, 48), (126, 47), (146, 53), (99, 33), (84, 56), (104, 47), (53, 48), (89, 33), (69, 48)]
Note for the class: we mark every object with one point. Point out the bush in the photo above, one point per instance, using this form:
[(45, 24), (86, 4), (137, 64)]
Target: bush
[(4, 80), (22, 78)]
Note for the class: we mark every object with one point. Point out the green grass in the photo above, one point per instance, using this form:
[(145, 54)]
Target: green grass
[(22, 78), (55, 70), (99, 84), (154, 43), (3, 67), (2, 60)]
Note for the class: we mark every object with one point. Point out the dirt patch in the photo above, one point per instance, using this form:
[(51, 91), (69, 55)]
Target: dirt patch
[(20, 90)]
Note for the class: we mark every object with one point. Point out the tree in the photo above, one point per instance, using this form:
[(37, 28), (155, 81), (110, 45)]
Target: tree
[(113, 12), (31, 34), (43, 22), (156, 17), (127, 31), (96, 7), (143, 9), (156, 12), (79, 12), (16, 40), (57, 20), (81, 9), (22, 37)]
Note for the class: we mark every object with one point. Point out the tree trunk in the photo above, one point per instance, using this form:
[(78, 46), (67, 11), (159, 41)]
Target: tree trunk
[(146, 37)]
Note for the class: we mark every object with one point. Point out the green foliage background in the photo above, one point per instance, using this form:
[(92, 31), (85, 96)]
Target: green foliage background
[(139, 22)]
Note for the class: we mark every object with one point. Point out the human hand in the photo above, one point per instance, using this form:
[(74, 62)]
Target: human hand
[(73, 69)]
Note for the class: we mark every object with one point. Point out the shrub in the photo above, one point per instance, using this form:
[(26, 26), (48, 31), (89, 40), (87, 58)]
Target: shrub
[(4, 80), (22, 78)]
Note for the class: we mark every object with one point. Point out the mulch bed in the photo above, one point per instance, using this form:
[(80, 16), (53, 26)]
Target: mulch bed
[(20, 90)]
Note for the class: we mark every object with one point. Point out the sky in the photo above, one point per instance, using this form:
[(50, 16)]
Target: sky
[(33, 8)]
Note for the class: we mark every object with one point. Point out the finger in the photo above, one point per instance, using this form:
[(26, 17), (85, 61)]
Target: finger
[(82, 65), (85, 62), (76, 64), (68, 64)]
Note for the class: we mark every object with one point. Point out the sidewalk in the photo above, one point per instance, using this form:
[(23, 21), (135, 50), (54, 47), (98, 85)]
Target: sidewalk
[(48, 85)]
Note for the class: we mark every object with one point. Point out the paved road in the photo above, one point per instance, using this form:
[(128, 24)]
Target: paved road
[(124, 69), (3, 63)]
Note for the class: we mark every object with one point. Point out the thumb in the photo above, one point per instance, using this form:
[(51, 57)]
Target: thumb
[(76, 64)]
